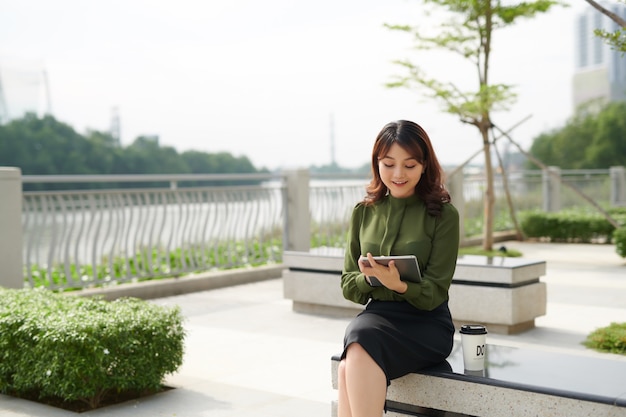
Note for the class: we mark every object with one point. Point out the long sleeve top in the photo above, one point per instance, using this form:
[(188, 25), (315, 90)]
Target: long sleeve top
[(396, 226)]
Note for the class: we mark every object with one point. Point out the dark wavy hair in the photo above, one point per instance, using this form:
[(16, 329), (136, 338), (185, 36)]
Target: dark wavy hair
[(413, 139)]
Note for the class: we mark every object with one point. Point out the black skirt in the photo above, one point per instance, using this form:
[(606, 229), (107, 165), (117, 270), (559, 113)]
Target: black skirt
[(401, 338)]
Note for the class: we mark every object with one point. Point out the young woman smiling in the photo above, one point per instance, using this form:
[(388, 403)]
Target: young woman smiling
[(405, 326)]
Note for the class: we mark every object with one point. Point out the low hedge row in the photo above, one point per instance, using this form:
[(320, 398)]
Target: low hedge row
[(82, 349), (619, 237), (579, 226)]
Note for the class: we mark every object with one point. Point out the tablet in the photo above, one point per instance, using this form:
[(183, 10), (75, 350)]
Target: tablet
[(407, 266)]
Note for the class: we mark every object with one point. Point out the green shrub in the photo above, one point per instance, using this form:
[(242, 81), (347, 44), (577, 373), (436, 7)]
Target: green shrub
[(572, 225), (152, 264), (619, 237), (610, 339), (75, 348)]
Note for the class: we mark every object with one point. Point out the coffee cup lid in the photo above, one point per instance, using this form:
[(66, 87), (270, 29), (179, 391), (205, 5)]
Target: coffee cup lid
[(473, 329)]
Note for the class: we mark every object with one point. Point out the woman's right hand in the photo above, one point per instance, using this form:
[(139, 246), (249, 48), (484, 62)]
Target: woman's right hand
[(387, 275)]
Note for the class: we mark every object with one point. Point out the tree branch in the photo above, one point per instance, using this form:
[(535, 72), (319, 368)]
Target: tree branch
[(540, 164), (616, 18)]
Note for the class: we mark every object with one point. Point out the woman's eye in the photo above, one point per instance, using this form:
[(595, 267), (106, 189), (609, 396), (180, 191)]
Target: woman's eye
[(410, 166), (388, 166)]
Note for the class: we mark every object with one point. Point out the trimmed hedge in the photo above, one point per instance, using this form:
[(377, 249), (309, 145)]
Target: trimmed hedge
[(566, 226), (619, 237), (576, 226), (81, 349)]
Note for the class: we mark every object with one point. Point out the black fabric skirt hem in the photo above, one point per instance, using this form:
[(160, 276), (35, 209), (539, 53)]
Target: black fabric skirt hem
[(400, 338)]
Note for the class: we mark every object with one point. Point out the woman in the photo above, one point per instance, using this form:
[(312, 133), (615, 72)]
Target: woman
[(406, 326)]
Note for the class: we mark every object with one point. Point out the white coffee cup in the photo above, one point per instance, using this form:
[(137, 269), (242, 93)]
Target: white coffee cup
[(474, 344)]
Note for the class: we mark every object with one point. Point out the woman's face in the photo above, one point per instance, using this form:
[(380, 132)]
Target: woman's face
[(399, 171)]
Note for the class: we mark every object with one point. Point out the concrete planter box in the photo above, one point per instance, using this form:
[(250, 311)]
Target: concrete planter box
[(504, 294)]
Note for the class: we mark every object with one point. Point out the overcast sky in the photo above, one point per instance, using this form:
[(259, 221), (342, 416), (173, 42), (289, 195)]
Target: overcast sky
[(264, 79)]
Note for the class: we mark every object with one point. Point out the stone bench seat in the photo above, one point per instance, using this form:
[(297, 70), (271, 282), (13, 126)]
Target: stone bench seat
[(517, 382)]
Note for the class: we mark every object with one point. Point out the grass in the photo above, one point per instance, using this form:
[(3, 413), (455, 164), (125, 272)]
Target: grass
[(610, 339)]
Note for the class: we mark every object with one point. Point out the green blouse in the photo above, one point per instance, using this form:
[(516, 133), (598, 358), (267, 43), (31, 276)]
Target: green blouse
[(395, 226)]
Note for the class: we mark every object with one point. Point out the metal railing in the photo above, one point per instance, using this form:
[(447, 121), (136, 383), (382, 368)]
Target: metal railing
[(78, 239), (331, 204), (88, 238)]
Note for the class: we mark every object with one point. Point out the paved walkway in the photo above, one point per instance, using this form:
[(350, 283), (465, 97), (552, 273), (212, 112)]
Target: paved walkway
[(248, 355)]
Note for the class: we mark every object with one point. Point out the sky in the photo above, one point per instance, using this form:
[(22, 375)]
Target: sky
[(288, 84)]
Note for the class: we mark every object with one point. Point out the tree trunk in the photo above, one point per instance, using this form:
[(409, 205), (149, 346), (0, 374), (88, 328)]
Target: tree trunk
[(507, 193), (489, 200)]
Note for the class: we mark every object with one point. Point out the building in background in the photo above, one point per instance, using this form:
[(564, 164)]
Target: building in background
[(24, 88), (600, 75)]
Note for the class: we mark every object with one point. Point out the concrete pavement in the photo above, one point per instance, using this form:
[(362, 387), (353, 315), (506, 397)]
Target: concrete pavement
[(247, 354)]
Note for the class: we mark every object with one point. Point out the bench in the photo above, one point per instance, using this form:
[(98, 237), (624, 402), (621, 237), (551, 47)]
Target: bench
[(506, 293), (516, 382)]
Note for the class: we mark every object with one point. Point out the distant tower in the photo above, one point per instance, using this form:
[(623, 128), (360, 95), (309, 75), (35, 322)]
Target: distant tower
[(115, 129), (4, 111), (48, 98), (333, 160), (600, 74)]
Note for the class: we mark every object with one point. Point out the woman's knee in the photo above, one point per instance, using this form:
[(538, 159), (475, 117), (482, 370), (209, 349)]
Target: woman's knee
[(341, 370)]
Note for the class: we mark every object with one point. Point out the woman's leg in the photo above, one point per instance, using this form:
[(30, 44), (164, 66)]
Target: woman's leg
[(362, 385), (343, 402)]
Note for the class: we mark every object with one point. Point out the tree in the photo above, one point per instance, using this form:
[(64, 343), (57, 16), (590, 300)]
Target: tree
[(46, 146), (469, 34), (43, 146), (617, 38), (220, 163), (587, 141), (146, 156), (608, 147)]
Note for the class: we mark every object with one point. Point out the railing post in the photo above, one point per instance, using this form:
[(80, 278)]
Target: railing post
[(551, 189), (455, 188), (618, 185), (11, 274), (297, 234)]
